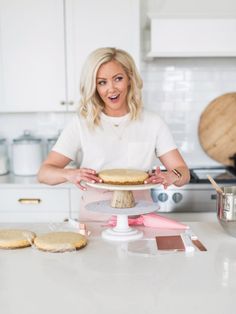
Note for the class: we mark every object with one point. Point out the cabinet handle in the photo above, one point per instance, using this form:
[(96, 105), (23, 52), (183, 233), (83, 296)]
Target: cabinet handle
[(29, 200), (64, 103)]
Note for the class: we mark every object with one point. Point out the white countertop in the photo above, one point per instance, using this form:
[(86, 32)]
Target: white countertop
[(11, 180), (106, 277)]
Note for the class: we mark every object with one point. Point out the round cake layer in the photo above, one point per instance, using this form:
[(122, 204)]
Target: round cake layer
[(123, 176), (16, 238), (60, 241)]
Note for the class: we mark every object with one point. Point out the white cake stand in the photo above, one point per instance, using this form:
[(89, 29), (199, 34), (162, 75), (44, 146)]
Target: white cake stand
[(122, 231)]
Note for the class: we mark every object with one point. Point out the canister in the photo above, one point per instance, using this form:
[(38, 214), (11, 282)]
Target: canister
[(27, 154), (4, 161), (226, 209)]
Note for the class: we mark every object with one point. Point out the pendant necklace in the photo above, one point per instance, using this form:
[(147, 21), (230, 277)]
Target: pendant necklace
[(119, 131), (119, 128), (118, 125)]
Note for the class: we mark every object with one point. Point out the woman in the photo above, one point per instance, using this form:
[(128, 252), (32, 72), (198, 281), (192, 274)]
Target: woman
[(112, 130)]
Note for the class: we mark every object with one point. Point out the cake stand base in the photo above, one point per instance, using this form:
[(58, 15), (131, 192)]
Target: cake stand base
[(122, 231), (129, 235)]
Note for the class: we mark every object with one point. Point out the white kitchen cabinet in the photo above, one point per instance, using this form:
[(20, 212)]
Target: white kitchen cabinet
[(32, 56), (93, 24), (34, 204), (43, 45), (192, 37)]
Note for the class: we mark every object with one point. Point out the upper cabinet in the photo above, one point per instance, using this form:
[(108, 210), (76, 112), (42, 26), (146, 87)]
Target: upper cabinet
[(32, 57), (192, 37), (93, 24), (43, 45)]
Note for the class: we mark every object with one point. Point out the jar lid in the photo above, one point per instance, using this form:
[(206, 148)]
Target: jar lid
[(26, 138), (54, 138)]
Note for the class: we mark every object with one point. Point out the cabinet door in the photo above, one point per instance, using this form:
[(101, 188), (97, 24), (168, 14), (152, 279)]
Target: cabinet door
[(34, 204), (94, 24), (32, 58)]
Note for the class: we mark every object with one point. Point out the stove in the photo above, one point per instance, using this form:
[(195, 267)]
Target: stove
[(222, 175), (197, 196)]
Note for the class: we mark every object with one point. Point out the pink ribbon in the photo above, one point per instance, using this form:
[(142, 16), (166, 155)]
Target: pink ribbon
[(151, 220)]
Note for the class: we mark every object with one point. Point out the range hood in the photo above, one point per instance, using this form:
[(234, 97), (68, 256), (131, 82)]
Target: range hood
[(192, 37)]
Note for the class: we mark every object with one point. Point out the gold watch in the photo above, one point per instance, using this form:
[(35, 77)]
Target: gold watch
[(177, 173)]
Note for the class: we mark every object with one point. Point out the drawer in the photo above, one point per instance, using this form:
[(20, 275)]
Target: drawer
[(34, 200)]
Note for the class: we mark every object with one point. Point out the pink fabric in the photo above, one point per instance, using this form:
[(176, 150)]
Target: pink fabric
[(152, 220)]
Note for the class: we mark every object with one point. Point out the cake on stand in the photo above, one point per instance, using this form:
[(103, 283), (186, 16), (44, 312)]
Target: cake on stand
[(122, 205)]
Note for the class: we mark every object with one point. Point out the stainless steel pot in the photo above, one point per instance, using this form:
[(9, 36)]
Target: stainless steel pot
[(226, 209)]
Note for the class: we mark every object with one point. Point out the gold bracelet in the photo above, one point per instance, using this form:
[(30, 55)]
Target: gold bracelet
[(177, 173)]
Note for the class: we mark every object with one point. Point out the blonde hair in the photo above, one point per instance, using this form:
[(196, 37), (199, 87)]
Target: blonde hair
[(91, 104)]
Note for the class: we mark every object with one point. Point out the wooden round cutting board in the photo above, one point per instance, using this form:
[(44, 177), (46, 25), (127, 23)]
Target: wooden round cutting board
[(217, 129)]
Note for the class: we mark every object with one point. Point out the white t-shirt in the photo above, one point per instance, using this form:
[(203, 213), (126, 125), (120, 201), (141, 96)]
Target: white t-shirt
[(117, 143)]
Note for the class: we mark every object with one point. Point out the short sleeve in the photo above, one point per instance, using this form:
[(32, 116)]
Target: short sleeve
[(69, 142), (164, 141)]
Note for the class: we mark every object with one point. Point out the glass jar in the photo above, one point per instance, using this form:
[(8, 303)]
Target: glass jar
[(27, 154), (4, 161)]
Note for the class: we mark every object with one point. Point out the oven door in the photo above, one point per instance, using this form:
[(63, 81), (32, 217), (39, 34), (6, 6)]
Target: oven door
[(190, 198)]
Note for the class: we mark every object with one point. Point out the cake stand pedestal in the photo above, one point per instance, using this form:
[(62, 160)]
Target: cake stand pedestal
[(122, 231)]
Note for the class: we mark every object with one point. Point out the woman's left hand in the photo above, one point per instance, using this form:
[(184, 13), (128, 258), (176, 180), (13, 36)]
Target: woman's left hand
[(162, 177)]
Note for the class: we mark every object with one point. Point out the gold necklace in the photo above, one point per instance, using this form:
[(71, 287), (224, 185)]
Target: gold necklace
[(118, 130)]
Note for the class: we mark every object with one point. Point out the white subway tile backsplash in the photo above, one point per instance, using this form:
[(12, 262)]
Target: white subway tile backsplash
[(179, 89), (173, 75), (167, 86), (228, 86), (184, 85), (229, 76)]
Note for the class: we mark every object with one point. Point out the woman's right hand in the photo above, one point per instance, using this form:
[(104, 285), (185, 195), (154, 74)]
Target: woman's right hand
[(75, 176), (54, 171)]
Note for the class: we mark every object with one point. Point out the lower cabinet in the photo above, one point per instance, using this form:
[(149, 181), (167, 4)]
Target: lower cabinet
[(34, 204), (75, 202)]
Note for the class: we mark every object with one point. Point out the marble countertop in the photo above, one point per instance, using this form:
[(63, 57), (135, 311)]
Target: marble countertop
[(110, 277)]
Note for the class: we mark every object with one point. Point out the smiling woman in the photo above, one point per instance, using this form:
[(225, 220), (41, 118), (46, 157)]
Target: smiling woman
[(113, 131), (113, 71), (112, 87)]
